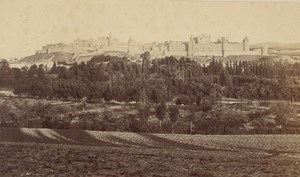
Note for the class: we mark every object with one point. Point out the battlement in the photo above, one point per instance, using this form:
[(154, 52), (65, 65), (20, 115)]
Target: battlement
[(196, 46), (78, 45)]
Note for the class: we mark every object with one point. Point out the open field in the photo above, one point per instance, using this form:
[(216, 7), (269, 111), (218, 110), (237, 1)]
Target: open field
[(46, 152)]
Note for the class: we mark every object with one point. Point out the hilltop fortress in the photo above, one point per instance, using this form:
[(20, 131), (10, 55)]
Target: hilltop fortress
[(203, 46), (195, 46)]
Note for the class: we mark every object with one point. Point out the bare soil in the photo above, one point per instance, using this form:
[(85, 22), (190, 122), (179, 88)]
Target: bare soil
[(45, 152)]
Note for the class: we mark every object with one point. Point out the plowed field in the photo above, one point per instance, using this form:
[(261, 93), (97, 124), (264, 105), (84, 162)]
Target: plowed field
[(45, 152)]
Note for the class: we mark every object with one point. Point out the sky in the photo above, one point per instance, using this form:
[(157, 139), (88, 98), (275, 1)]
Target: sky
[(27, 25)]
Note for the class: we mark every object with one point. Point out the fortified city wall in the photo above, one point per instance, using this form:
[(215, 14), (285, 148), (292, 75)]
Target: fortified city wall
[(196, 46)]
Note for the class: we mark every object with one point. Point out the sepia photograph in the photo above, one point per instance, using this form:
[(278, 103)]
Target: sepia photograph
[(149, 88)]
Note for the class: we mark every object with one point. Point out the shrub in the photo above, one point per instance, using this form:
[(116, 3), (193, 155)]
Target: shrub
[(183, 99), (283, 113)]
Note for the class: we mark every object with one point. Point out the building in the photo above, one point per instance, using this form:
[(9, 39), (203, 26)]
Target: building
[(203, 46), (78, 46), (195, 46)]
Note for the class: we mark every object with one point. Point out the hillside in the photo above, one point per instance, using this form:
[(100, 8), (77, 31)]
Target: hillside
[(288, 143), (245, 57), (41, 57), (115, 54), (66, 57), (251, 58), (277, 46), (290, 56), (259, 58)]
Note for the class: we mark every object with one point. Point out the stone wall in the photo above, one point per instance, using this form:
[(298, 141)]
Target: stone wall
[(206, 53), (176, 53), (196, 46), (135, 49), (177, 46), (234, 47), (255, 52), (210, 47)]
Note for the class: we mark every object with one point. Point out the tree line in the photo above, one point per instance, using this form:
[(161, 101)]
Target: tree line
[(169, 85), (166, 79)]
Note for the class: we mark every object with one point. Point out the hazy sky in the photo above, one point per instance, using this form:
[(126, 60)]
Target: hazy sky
[(27, 25)]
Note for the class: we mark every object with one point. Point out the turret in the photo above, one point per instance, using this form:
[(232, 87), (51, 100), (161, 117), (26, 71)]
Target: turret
[(246, 44), (264, 50), (129, 41), (223, 40), (190, 47), (109, 40), (191, 38)]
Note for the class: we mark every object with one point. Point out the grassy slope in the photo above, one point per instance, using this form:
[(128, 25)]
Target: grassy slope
[(264, 143), (59, 56), (45, 56)]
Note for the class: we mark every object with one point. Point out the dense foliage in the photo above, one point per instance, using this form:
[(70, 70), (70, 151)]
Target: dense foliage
[(219, 119), (185, 80), (165, 88)]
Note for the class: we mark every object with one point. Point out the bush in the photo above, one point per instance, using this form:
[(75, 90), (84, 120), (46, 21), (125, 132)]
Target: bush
[(35, 123), (60, 124), (183, 99), (137, 125), (283, 113)]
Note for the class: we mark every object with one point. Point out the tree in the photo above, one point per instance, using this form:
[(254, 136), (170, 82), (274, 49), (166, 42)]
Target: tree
[(233, 119), (4, 68), (141, 121), (220, 120), (32, 70), (143, 112), (54, 68), (4, 114), (185, 100), (283, 113), (155, 67), (173, 115), (40, 71), (4, 65), (193, 111), (42, 115), (60, 111), (62, 72), (224, 78), (108, 120), (160, 111), (206, 103), (145, 62)]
